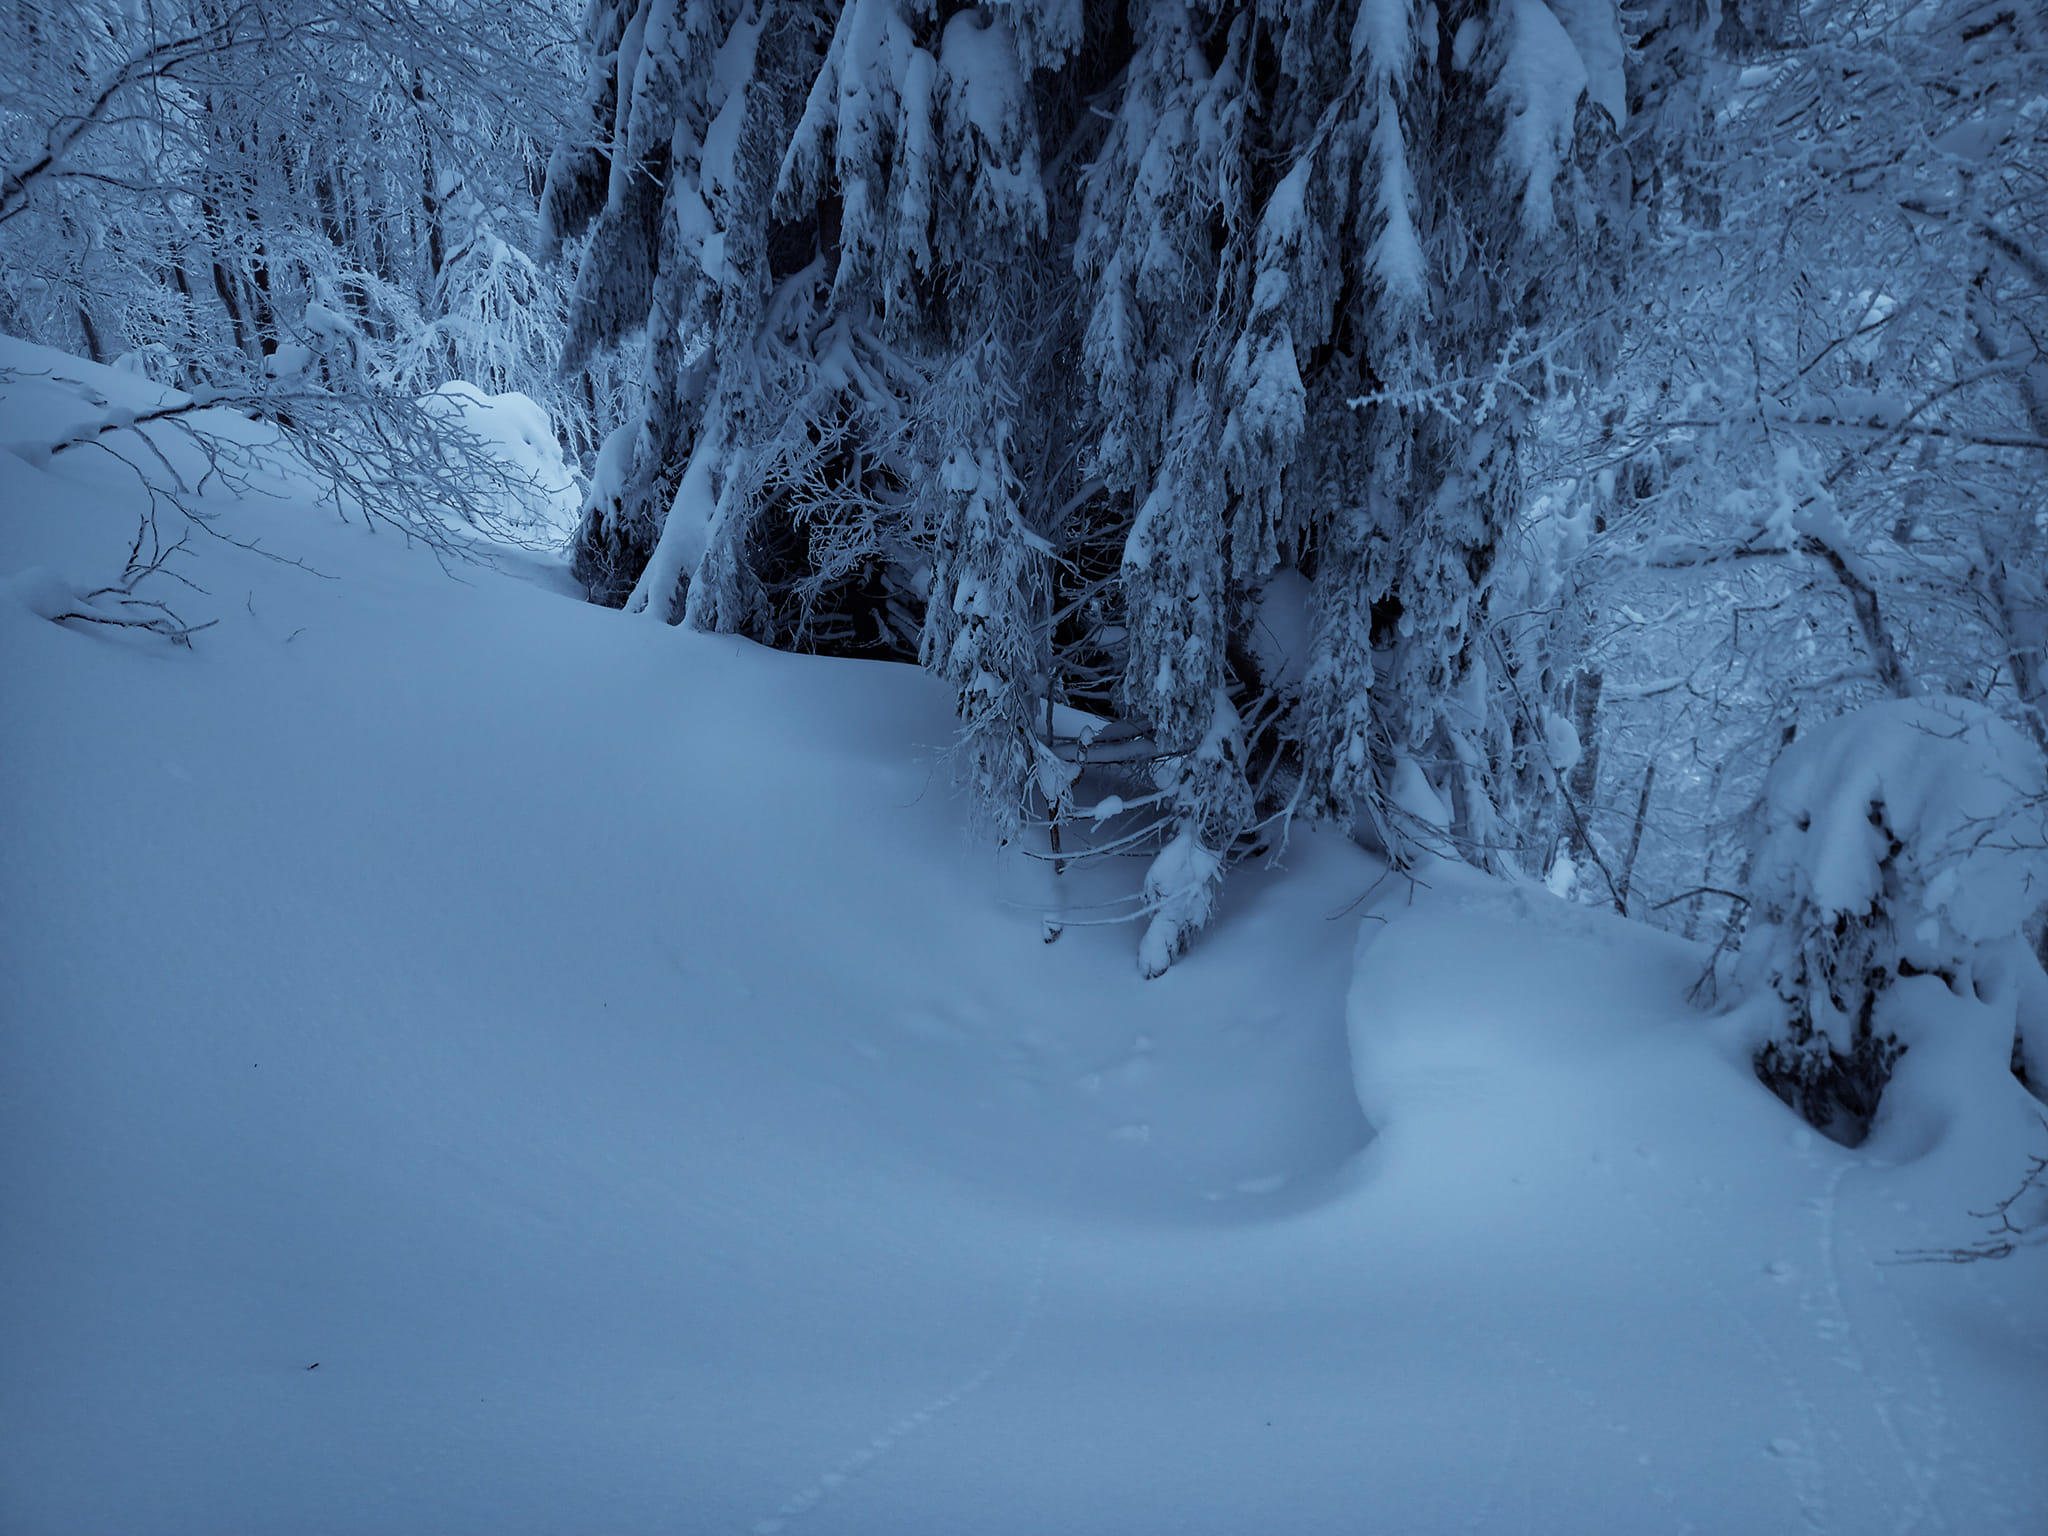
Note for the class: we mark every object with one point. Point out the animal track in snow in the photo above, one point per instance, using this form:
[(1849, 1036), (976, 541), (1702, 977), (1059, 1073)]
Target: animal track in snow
[(809, 1497), (1801, 1453)]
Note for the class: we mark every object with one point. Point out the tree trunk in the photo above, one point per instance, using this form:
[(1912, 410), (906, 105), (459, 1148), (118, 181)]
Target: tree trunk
[(1635, 839), (1884, 655), (1584, 780)]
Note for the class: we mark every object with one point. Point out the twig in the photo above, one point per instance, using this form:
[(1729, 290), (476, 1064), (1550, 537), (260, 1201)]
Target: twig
[(2005, 1238), (1701, 890)]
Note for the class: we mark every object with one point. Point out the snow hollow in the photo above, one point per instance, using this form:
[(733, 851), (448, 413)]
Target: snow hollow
[(473, 1064)]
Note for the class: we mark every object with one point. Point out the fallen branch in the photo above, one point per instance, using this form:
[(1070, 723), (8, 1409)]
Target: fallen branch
[(2007, 1236)]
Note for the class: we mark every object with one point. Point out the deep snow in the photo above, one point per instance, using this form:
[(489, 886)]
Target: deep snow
[(604, 1054)]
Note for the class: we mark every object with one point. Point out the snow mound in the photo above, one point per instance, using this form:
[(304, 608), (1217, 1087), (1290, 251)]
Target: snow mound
[(41, 591), (1466, 995), (515, 429)]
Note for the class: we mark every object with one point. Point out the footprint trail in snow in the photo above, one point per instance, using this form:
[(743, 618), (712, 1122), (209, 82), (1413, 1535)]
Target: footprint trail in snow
[(809, 1497)]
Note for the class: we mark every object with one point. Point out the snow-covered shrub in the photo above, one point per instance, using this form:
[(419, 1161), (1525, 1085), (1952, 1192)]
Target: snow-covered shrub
[(1909, 838)]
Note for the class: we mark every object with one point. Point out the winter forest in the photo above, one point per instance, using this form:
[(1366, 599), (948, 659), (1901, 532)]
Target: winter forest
[(1396, 512)]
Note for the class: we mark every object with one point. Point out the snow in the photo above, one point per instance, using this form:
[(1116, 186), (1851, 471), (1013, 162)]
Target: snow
[(1180, 891), (289, 361), (685, 533), (43, 592), (1465, 45), (514, 429), (1959, 788), (979, 60), (474, 1064), (1561, 741), (1396, 254), (734, 67), (985, 117), (1541, 79), (1384, 36), (1281, 637), (1594, 27)]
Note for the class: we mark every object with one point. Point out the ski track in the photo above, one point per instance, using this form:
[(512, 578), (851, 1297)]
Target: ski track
[(815, 1493), (1922, 1472)]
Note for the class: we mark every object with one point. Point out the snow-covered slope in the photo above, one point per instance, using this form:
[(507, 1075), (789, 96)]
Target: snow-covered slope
[(471, 1064)]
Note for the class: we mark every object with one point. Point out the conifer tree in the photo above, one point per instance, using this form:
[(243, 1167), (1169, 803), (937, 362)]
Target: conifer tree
[(1325, 262)]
